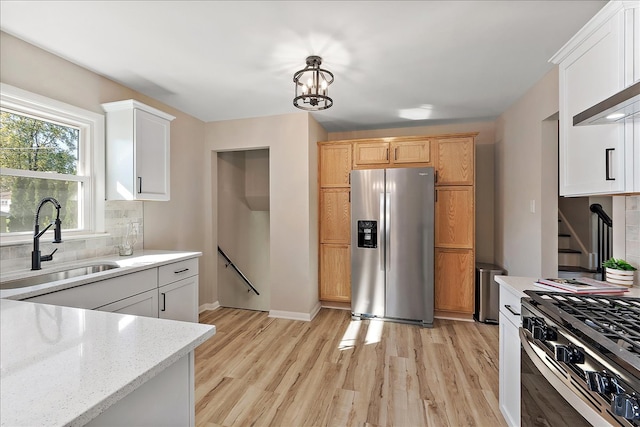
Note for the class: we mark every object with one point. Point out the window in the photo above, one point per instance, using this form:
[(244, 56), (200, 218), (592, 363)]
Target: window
[(49, 149)]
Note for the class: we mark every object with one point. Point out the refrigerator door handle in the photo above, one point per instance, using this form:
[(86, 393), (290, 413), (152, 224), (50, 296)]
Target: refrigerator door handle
[(382, 232), (387, 230)]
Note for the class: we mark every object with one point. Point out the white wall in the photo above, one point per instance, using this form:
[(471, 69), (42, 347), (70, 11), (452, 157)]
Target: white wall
[(293, 204), (524, 163)]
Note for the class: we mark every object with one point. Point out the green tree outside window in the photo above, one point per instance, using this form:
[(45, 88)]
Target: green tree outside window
[(31, 144)]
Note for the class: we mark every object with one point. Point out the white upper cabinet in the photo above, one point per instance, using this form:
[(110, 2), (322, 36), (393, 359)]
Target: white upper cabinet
[(599, 61), (138, 145)]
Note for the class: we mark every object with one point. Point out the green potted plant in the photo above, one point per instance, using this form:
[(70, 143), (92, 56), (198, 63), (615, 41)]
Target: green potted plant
[(619, 271)]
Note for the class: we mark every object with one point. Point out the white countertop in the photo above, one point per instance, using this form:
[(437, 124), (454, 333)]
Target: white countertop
[(517, 285), (64, 366), (138, 261)]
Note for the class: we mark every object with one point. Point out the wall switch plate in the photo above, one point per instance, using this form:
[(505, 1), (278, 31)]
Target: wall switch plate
[(532, 206)]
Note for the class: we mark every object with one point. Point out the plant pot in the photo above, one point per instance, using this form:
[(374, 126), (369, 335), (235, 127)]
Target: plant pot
[(619, 277)]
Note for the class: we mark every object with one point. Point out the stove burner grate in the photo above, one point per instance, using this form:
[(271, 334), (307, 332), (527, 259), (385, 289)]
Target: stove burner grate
[(616, 319)]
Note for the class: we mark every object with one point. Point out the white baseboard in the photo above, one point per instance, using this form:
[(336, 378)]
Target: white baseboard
[(315, 310), (210, 306), (296, 315)]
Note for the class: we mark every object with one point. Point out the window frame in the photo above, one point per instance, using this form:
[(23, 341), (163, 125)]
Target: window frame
[(91, 161)]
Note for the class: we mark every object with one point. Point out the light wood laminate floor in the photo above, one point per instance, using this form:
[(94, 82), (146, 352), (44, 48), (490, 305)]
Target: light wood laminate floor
[(334, 371)]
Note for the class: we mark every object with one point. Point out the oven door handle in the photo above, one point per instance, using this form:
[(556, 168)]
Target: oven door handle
[(508, 307)]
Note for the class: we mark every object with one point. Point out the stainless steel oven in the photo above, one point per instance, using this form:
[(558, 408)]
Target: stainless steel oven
[(580, 360)]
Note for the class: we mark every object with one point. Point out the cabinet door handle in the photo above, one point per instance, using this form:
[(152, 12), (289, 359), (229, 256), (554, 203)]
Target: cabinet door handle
[(607, 163), (387, 154), (436, 177), (164, 301), (508, 307), (139, 184), (395, 154), (181, 271)]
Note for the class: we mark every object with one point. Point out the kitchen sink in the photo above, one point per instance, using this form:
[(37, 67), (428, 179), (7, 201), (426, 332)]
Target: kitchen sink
[(58, 275)]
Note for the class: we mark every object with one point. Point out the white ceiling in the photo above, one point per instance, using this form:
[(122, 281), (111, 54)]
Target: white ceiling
[(442, 61)]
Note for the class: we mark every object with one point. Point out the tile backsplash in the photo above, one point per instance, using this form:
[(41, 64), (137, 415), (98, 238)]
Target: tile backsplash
[(118, 215), (632, 234)]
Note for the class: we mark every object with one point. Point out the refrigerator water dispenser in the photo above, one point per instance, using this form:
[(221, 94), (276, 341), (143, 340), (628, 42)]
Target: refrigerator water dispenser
[(368, 234)]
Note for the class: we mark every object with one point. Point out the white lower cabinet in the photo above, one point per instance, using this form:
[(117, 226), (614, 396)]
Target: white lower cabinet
[(103, 292), (165, 400), (510, 321), (509, 371), (179, 300), (169, 292), (144, 304)]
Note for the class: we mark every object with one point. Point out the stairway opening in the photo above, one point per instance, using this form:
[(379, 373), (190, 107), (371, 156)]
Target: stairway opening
[(243, 228), (578, 236)]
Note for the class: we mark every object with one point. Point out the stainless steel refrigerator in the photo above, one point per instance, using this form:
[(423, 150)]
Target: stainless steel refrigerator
[(392, 255)]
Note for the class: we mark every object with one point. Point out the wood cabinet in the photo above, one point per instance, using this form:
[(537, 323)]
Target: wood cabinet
[(335, 162), (454, 217), (335, 165), (454, 280), (454, 161), (335, 273), (600, 60), (410, 151), (370, 153), (335, 215), (137, 151), (453, 157), (388, 152)]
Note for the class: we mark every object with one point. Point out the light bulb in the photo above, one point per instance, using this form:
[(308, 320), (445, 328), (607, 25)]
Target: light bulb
[(310, 82), (323, 85), (304, 89), (615, 116)]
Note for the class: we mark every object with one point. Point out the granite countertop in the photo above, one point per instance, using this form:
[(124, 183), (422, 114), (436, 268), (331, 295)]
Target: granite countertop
[(64, 366), (138, 261), (518, 285)]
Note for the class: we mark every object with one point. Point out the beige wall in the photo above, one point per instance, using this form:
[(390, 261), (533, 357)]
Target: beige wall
[(484, 171), (525, 244), (173, 225), (293, 204)]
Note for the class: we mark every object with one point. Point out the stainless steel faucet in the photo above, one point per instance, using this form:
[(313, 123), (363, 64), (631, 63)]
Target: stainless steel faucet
[(36, 258)]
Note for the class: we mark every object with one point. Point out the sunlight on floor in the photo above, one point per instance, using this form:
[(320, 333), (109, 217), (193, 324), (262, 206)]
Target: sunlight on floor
[(374, 333), (349, 338)]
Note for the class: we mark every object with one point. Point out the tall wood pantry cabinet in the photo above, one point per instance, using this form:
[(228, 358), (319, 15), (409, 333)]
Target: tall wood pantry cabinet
[(453, 157)]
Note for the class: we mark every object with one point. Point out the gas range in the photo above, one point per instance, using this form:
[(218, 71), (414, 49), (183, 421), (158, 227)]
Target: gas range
[(589, 349)]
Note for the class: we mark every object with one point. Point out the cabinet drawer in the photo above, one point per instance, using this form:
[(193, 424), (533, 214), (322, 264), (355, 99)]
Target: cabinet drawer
[(177, 271), (144, 304), (94, 295), (510, 306)]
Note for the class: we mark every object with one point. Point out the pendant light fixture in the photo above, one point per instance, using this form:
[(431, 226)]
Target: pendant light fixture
[(312, 86)]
